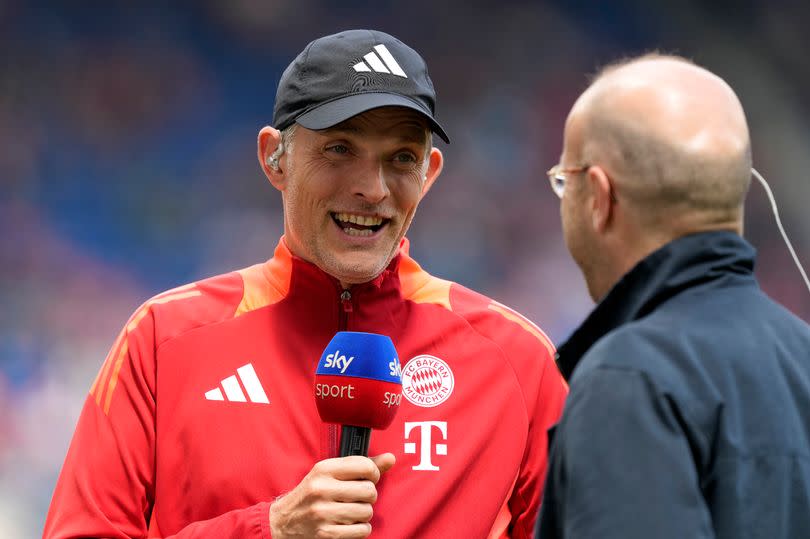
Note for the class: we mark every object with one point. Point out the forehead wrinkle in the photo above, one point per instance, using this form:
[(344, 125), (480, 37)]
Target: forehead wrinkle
[(413, 132), (340, 128), (400, 123)]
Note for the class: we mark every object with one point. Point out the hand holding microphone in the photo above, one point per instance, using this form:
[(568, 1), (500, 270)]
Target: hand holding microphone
[(357, 385), (333, 500)]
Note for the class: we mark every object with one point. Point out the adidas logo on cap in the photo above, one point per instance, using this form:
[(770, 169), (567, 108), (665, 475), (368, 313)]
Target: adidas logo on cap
[(384, 63)]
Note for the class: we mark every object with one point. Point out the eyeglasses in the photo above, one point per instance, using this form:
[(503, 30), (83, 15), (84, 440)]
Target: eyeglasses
[(557, 177)]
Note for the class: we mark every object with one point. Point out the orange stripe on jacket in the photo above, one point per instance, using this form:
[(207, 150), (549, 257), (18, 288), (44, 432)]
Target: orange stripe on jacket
[(525, 323), (143, 311), (123, 348), (98, 385), (114, 378), (421, 287), (500, 528), (268, 283)]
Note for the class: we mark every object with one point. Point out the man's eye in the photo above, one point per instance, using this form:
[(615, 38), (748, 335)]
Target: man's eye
[(338, 148), (405, 157)]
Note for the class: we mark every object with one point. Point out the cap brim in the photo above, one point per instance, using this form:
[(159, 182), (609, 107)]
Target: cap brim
[(332, 113)]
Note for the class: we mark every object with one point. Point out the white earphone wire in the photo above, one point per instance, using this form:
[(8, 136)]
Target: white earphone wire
[(768, 191)]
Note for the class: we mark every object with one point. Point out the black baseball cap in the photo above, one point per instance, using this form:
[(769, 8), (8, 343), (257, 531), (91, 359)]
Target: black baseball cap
[(341, 75)]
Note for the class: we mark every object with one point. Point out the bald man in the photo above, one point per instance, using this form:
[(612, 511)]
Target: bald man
[(689, 410)]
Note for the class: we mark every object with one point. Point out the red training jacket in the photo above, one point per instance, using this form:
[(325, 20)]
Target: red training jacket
[(204, 411)]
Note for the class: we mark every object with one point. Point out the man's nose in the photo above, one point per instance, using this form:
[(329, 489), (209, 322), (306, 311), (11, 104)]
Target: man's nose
[(370, 184)]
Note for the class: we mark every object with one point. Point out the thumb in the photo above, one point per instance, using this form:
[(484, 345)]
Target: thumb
[(384, 462)]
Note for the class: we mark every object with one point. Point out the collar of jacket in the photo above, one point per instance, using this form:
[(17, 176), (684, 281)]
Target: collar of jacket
[(683, 263), (293, 275)]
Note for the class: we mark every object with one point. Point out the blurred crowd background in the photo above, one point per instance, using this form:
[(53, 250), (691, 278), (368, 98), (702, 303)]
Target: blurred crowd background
[(128, 163)]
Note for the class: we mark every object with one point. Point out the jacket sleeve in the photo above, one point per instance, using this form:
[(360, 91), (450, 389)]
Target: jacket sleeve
[(621, 465), (106, 486), (527, 494)]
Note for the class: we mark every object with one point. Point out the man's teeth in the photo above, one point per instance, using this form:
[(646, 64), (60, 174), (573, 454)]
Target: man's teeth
[(358, 232), (359, 219)]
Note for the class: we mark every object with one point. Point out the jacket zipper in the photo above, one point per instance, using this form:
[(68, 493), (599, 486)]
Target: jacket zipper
[(345, 308), (332, 436)]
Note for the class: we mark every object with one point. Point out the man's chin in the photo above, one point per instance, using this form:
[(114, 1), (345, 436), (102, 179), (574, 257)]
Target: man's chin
[(357, 272)]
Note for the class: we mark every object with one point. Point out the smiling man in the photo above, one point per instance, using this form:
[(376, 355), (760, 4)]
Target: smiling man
[(351, 191), (202, 421)]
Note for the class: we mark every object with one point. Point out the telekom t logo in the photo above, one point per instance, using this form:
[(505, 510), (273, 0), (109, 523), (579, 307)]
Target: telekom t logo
[(426, 439)]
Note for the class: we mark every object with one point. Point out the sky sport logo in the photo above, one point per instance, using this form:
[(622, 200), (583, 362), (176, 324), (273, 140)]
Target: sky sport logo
[(427, 381)]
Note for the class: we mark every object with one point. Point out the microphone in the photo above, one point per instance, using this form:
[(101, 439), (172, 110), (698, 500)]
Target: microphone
[(358, 384)]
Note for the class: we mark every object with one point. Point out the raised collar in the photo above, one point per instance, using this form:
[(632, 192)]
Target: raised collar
[(695, 260), (290, 274)]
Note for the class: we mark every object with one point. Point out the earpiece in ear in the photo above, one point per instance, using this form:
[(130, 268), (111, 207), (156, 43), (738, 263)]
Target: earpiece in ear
[(272, 160)]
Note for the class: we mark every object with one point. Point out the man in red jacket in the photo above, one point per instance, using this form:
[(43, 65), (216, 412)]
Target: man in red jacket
[(202, 421)]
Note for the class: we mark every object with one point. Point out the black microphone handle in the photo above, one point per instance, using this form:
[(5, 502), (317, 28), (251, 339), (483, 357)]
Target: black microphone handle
[(354, 440)]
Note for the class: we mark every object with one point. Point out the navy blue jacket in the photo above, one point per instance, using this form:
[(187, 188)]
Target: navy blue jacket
[(689, 410)]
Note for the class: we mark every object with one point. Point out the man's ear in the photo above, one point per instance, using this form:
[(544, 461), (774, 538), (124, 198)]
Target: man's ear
[(434, 168), (601, 198), (268, 143)]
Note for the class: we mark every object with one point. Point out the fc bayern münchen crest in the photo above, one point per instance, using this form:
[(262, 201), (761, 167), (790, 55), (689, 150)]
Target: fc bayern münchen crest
[(427, 381)]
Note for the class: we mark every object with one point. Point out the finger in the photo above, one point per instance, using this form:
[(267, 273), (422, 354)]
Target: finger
[(347, 531), (354, 491), (351, 468), (384, 462), (347, 513), (327, 488)]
